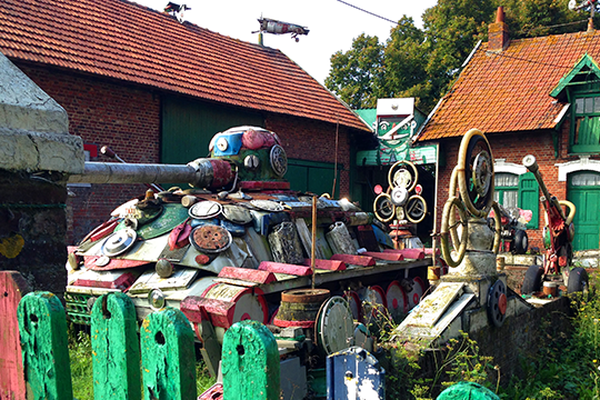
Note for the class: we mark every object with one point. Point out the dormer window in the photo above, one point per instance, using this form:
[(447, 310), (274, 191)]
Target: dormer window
[(581, 88), (586, 124)]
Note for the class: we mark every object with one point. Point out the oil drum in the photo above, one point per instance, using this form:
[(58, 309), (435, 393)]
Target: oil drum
[(299, 307)]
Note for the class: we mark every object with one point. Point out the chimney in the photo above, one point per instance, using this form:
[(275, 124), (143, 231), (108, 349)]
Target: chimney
[(498, 38)]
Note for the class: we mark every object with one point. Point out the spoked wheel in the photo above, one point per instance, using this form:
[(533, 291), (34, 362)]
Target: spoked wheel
[(403, 174), (416, 208), (383, 207), (475, 173), (453, 217), (497, 228), (533, 280), (578, 281)]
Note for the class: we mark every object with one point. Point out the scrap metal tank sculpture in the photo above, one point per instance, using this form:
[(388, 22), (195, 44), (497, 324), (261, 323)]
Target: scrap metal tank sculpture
[(239, 244)]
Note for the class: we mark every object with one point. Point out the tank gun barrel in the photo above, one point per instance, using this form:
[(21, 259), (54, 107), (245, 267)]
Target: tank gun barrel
[(530, 163), (203, 173)]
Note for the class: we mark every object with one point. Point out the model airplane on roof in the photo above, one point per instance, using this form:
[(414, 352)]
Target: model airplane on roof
[(575, 6), (279, 28)]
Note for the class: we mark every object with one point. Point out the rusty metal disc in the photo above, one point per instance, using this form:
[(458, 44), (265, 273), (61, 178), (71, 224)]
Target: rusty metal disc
[(211, 238), (205, 209), (119, 242)]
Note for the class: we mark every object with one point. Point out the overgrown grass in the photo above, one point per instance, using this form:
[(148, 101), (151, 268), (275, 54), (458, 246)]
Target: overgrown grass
[(80, 352), (565, 368)]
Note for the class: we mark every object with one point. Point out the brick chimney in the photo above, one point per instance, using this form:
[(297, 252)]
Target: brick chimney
[(498, 38)]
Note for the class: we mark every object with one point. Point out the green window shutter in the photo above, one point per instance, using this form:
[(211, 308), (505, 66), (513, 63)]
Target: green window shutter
[(529, 198)]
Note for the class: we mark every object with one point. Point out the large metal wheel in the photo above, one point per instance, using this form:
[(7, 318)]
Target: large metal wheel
[(384, 208), (403, 174), (452, 209), (415, 209), (475, 173), (497, 228)]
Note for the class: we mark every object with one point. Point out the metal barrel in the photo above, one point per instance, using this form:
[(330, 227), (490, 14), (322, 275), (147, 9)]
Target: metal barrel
[(202, 173)]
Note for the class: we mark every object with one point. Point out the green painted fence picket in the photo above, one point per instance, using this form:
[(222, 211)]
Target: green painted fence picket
[(115, 347), (164, 368)]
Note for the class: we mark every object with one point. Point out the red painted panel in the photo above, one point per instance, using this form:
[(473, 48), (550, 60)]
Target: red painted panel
[(247, 274), (331, 265), (384, 256), (363, 261), (281, 268), (414, 254), (12, 288)]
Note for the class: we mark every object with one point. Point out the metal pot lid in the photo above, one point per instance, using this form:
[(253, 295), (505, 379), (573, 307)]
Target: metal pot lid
[(267, 205), (211, 239), (237, 214), (205, 209), (119, 242), (399, 196), (335, 325)]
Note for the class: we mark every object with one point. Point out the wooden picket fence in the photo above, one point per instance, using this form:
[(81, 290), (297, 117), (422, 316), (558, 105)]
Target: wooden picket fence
[(159, 363)]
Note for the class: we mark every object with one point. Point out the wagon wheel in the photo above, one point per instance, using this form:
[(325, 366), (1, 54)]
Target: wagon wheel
[(416, 208), (453, 207), (475, 173), (383, 207), (403, 174)]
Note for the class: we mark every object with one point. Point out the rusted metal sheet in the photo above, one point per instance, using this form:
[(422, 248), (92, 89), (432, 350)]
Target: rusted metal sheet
[(12, 288)]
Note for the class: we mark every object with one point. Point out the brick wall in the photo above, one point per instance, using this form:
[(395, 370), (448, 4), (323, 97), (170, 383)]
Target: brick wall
[(315, 141), (102, 112)]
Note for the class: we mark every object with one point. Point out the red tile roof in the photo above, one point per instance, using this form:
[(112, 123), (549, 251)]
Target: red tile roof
[(123, 40), (509, 91)]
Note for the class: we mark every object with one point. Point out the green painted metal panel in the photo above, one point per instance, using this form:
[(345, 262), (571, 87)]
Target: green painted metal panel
[(587, 217), (529, 198), (115, 348), (188, 125), (44, 345), (250, 363), (312, 176)]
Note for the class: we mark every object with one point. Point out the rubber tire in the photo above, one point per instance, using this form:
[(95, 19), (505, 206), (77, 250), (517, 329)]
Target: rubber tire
[(520, 242), (578, 280), (533, 279)]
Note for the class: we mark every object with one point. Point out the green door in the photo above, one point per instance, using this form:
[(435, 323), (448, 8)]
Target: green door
[(584, 193), (313, 176)]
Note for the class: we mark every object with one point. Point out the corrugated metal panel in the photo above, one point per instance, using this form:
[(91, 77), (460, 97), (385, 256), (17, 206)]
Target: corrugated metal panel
[(188, 126)]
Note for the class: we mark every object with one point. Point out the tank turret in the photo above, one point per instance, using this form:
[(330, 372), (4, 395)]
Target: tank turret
[(239, 245)]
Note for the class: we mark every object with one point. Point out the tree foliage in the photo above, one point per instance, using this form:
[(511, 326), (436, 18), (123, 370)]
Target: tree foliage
[(423, 63)]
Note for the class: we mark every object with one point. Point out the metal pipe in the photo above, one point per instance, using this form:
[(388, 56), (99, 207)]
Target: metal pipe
[(530, 163), (199, 173)]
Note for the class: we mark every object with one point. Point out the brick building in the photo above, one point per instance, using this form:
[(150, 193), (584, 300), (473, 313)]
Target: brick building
[(156, 90), (535, 96)]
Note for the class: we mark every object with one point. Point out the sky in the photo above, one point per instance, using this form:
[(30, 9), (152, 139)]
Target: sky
[(333, 24)]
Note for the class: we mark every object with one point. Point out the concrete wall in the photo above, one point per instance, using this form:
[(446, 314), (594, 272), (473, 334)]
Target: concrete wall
[(37, 154)]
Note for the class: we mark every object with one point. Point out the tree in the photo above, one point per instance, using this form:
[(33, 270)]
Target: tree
[(356, 74)]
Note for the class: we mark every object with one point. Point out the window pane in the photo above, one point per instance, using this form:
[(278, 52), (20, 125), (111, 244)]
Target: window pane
[(586, 179), (596, 104), (511, 199), (506, 180), (589, 105), (579, 106)]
